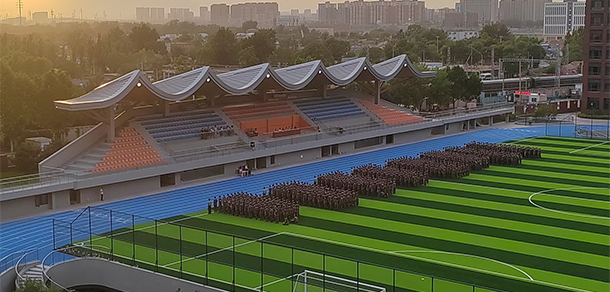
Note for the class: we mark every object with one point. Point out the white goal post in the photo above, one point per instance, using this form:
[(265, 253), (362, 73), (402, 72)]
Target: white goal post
[(310, 281)]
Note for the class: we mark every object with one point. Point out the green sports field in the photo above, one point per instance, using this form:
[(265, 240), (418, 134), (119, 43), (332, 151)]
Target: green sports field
[(542, 226)]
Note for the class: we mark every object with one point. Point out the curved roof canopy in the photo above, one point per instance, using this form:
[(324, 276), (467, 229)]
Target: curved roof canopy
[(205, 80)]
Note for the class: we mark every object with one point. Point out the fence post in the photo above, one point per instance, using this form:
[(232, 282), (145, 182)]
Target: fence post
[(180, 234), (262, 266), (156, 249), (90, 232), (358, 276), (292, 268), (432, 284), (233, 259), (71, 238), (111, 238), (53, 236), (206, 257), (133, 239), (324, 272), (393, 280), (546, 127), (559, 128), (591, 127)]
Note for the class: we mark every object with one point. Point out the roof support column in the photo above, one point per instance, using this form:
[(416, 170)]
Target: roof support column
[(264, 95), (378, 85), (111, 136), (213, 100), (322, 91), (165, 108)]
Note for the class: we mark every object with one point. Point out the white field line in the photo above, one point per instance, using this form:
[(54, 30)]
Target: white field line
[(196, 275), (521, 140), (530, 199), (226, 248), (276, 281), (152, 226), (435, 261), (466, 255), (578, 150), (478, 186)]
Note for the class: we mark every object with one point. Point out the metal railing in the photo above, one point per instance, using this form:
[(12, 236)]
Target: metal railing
[(65, 255), (57, 176), (218, 259), (11, 260), (27, 257)]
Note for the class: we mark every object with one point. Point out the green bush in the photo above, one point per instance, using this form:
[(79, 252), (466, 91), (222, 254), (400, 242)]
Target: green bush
[(35, 286), (595, 114)]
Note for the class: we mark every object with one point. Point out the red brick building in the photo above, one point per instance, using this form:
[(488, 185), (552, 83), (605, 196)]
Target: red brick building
[(596, 71)]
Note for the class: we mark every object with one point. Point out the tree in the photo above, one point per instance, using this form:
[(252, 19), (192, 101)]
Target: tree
[(221, 48), (574, 44), (464, 87), (247, 57), (144, 37), (545, 111), (262, 43), (315, 51), (15, 91), (250, 24), (27, 157), (496, 31), (337, 48)]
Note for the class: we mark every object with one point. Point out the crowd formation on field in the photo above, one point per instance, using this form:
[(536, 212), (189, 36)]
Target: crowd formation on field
[(338, 190)]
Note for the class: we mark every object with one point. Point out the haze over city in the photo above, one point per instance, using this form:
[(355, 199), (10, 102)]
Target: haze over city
[(115, 9)]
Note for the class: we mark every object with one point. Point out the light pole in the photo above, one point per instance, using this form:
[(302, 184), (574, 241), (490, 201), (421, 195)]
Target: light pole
[(437, 37)]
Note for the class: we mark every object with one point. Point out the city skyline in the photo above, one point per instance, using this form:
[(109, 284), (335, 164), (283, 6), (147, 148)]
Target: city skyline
[(115, 9)]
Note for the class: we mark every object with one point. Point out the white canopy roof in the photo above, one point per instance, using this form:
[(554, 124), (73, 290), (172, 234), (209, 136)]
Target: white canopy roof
[(241, 81)]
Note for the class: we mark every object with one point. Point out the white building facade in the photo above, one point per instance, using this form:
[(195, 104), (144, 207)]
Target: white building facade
[(563, 17)]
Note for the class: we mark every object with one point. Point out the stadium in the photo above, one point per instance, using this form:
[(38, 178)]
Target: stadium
[(142, 201)]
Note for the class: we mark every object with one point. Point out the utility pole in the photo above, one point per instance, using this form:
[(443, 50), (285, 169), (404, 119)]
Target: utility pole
[(20, 7), (493, 63)]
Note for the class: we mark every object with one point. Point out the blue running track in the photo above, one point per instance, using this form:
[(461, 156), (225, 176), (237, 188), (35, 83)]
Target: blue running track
[(37, 232)]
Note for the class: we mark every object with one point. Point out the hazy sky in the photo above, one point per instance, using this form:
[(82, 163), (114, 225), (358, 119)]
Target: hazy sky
[(126, 8)]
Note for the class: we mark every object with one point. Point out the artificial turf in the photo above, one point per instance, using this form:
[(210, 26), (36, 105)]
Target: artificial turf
[(547, 220)]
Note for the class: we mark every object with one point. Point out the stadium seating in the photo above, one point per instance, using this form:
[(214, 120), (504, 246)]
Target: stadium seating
[(320, 110), (181, 126), (128, 151), (390, 116), (267, 117)]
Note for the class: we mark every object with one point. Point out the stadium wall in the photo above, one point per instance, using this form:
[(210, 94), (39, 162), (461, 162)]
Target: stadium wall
[(102, 272), (123, 185)]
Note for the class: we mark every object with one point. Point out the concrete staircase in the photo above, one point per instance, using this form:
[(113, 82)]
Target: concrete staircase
[(85, 162), (30, 273)]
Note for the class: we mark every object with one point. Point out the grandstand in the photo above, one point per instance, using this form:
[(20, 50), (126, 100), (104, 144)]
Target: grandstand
[(200, 126)]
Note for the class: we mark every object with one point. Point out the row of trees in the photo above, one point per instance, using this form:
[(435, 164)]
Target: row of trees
[(444, 90)]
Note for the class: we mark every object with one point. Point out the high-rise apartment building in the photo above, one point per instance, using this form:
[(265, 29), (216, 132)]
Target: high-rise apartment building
[(522, 10), (327, 13), (181, 14), (596, 71), (367, 13), (143, 14), (563, 17), (219, 14), (150, 14), (264, 13), (157, 14), (204, 14), (487, 10)]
